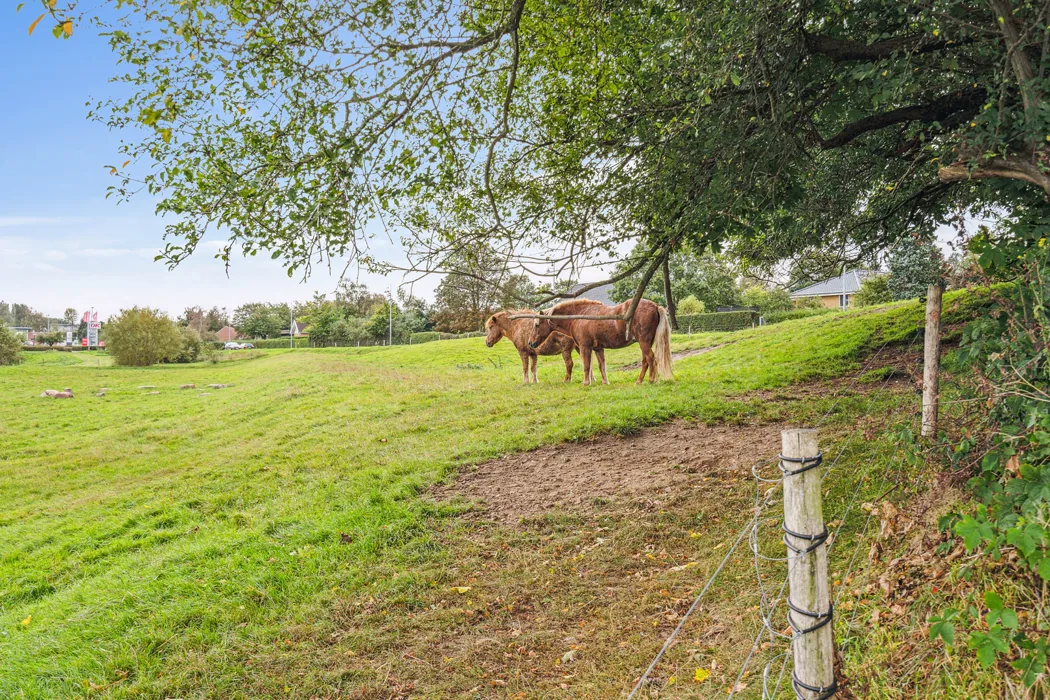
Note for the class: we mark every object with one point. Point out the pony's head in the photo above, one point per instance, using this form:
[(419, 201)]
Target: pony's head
[(493, 329), (541, 328)]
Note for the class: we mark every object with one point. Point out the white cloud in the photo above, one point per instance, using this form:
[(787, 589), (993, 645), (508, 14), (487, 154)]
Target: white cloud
[(103, 252), (12, 221), (45, 267), (55, 255)]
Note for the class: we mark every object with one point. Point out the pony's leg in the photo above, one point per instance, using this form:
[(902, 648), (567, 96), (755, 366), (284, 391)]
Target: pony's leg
[(585, 354), (600, 352), (534, 379), (650, 359), (567, 356), (524, 367)]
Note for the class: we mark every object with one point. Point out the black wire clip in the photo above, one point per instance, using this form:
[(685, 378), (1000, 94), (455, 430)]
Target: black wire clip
[(806, 462), (822, 693)]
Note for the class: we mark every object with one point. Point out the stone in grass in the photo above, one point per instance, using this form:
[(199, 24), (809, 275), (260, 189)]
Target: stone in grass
[(204, 393), (105, 388), (219, 386), (66, 393), (188, 386), (101, 394), (147, 386), (152, 393)]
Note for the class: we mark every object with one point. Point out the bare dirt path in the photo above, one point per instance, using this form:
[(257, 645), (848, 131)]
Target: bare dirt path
[(576, 476)]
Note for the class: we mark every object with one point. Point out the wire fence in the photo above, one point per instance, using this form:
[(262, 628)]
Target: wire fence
[(771, 643)]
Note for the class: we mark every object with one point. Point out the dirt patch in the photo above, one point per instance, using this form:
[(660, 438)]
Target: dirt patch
[(586, 474), (676, 356)]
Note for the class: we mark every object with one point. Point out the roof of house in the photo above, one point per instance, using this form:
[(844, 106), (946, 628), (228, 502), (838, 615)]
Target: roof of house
[(597, 294), (227, 333), (847, 283), (298, 328)]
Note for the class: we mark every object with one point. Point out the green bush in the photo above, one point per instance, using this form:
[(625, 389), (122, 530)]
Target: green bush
[(140, 337), (275, 343), (57, 348), (190, 347), (690, 306), (873, 290), (10, 346), (725, 321), (778, 316), (430, 336)]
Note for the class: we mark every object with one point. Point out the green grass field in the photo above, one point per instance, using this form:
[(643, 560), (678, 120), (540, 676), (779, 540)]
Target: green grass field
[(180, 545)]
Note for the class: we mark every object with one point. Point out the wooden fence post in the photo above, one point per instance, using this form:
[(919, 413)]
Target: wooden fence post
[(931, 363), (809, 597)]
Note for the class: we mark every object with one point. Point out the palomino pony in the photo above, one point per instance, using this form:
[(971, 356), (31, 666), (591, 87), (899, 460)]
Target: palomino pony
[(649, 327), (517, 331)]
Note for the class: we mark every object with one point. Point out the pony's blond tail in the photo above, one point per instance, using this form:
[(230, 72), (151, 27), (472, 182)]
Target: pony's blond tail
[(662, 347)]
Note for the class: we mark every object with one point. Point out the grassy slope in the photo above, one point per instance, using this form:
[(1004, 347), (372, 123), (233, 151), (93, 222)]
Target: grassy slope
[(153, 539)]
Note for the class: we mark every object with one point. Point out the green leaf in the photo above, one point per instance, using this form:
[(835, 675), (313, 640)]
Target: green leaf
[(735, 78), (993, 601), (945, 630), (1044, 568)]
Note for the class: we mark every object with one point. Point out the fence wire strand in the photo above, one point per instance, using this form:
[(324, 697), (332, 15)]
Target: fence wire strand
[(768, 604)]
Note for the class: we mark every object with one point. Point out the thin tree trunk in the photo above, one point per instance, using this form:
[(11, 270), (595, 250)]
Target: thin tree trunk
[(672, 316)]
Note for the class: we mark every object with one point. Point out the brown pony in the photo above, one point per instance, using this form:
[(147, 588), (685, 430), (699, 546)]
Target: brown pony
[(649, 328), (517, 331)]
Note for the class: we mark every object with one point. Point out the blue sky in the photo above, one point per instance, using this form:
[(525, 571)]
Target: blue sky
[(61, 242)]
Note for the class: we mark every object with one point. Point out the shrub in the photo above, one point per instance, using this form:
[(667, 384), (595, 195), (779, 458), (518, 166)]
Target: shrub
[(424, 337), (140, 337), (767, 300), (190, 345), (275, 343), (778, 316), (810, 303), (50, 339), (873, 290), (690, 306), (725, 321), (10, 346)]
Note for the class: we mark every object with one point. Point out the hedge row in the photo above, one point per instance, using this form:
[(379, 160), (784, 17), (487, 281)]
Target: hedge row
[(725, 321), (58, 348), (778, 316), (430, 336)]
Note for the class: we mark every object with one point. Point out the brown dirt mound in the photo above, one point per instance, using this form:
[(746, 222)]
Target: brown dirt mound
[(681, 454)]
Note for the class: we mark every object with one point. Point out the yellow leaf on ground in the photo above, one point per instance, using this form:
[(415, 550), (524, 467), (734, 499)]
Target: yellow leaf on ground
[(460, 589), (701, 675), (27, 621)]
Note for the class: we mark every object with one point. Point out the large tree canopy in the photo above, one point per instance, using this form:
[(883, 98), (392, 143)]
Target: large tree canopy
[(553, 132)]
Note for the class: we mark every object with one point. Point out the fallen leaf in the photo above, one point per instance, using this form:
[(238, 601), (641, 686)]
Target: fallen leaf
[(701, 675), (460, 589), (27, 621)]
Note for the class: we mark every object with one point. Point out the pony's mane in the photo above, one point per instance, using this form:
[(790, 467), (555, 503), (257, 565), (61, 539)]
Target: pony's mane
[(569, 306)]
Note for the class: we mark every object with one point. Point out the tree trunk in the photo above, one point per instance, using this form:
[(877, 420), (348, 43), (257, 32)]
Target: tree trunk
[(672, 317)]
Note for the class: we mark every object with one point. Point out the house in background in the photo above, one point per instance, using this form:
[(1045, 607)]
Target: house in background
[(28, 334), (298, 329), (834, 293), (228, 334)]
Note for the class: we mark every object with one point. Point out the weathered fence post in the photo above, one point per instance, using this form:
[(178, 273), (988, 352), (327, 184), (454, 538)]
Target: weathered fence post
[(931, 363), (809, 597)]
